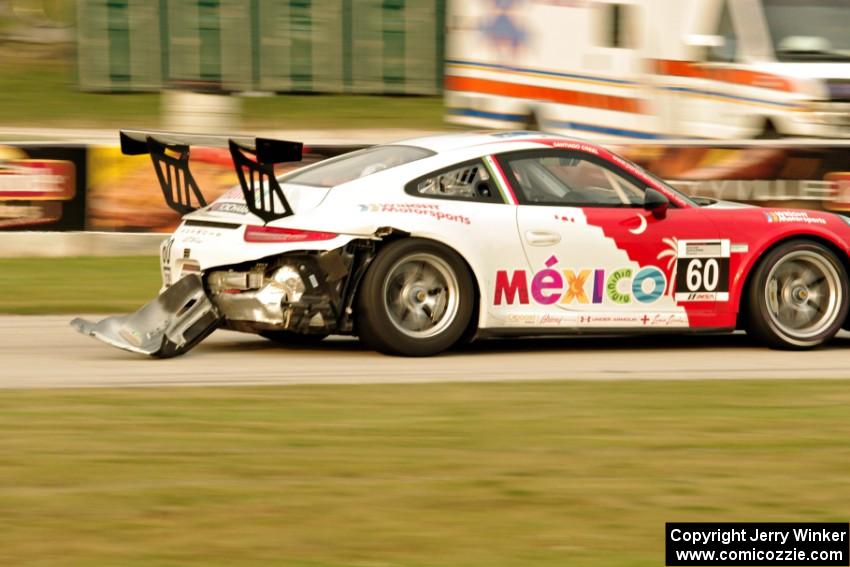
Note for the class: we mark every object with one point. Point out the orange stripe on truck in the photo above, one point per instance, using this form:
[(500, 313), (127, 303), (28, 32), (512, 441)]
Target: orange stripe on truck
[(549, 94), (735, 76)]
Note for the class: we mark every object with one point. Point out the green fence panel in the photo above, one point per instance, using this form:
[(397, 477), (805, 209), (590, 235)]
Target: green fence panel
[(118, 45), (184, 42), (210, 44), (236, 45), (360, 46), (301, 45), (423, 59), (394, 48)]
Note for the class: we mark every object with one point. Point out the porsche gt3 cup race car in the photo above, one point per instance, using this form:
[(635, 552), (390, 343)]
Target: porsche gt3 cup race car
[(418, 245)]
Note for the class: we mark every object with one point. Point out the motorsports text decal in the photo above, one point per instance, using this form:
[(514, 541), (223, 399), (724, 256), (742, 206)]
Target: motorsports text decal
[(793, 216), (415, 209)]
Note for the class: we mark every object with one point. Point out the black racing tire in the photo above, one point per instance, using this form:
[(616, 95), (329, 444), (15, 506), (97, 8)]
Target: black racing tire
[(798, 296), (416, 299), (291, 338)]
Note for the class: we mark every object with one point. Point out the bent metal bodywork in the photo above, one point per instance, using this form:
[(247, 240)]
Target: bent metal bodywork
[(417, 245)]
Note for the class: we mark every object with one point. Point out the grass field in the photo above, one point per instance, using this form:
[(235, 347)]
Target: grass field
[(40, 92), (77, 285), (484, 475)]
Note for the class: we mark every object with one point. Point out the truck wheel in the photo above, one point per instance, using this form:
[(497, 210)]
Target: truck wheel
[(799, 296), (416, 299), (769, 132), (532, 122)]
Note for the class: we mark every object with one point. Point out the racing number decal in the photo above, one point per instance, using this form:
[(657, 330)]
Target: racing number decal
[(702, 270)]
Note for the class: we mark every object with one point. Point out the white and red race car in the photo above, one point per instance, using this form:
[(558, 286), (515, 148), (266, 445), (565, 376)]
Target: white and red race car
[(417, 245)]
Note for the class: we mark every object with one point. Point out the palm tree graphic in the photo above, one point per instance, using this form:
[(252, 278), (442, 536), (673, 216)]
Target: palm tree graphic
[(671, 252)]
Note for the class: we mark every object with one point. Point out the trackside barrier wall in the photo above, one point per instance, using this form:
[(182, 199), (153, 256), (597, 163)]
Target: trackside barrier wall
[(62, 187), (32, 244), (810, 174)]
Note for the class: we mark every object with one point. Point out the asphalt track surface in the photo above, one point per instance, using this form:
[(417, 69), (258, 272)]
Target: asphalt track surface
[(45, 352)]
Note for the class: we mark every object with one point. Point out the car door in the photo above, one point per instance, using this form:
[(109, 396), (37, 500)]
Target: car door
[(596, 258)]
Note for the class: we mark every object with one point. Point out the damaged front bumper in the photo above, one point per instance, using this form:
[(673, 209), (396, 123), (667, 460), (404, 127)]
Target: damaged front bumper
[(170, 325)]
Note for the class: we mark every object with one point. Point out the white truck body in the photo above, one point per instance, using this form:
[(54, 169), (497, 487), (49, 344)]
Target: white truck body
[(651, 69)]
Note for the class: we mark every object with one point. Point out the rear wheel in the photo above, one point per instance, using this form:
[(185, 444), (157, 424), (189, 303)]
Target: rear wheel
[(799, 296), (416, 299)]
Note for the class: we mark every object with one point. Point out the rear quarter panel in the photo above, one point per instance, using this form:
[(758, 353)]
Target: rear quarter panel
[(483, 234)]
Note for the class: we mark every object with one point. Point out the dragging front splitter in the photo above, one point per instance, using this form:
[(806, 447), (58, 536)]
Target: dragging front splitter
[(170, 325)]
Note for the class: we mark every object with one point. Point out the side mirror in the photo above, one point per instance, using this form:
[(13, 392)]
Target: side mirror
[(655, 202)]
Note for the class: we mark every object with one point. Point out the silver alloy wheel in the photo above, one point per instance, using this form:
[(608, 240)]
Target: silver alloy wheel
[(421, 295), (803, 295)]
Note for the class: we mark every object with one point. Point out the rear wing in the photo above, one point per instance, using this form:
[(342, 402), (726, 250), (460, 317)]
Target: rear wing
[(253, 160)]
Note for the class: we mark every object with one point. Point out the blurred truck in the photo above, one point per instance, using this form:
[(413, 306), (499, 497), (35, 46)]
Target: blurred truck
[(651, 68)]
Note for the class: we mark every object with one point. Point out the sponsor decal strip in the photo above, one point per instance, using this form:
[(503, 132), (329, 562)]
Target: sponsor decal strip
[(501, 181), (793, 216), (598, 319)]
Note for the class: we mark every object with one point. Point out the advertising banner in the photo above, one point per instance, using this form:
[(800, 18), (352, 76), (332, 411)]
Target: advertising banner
[(808, 175), (42, 187), (66, 187), (124, 195)]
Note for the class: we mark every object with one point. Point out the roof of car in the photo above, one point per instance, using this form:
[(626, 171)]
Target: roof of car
[(447, 142)]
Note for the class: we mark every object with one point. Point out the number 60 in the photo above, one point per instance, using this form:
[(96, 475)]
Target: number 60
[(703, 276)]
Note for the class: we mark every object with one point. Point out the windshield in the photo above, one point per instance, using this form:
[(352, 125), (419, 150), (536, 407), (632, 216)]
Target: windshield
[(350, 166), (809, 30), (686, 198)]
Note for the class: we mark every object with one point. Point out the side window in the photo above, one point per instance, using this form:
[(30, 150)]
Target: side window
[(469, 181), (571, 179), (728, 51)]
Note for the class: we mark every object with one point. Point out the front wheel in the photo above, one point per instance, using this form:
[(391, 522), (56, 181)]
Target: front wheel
[(799, 296), (416, 299)]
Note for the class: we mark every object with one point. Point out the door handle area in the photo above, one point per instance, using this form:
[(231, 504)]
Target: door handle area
[(542, 237)]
